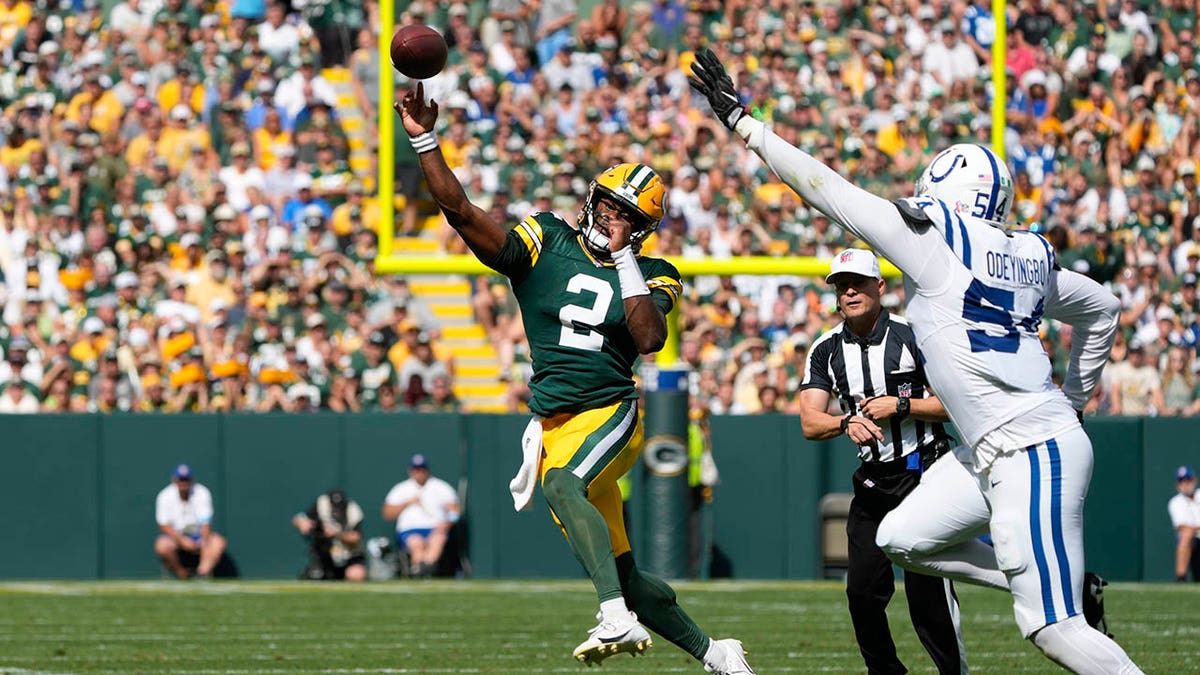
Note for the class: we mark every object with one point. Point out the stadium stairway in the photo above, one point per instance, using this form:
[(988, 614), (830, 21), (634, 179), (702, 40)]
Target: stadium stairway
[(477, 372), (354, 124), (476, 367)]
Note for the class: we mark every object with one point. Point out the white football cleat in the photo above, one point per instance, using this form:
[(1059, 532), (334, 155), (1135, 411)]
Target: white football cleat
[(612, 637), (726, 657)]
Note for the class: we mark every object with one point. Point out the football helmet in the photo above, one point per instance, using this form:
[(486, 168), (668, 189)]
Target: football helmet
[(638, 189), (972, 181)]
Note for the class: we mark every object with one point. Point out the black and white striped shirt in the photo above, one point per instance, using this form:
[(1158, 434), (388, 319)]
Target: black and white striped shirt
[(885, 363)]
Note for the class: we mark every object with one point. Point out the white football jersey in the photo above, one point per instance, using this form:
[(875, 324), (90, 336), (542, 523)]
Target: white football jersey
[(976, 295), (980, 317)]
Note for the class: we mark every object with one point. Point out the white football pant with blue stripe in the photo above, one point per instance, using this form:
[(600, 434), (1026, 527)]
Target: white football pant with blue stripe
[(1032, 501), (1037, 527)]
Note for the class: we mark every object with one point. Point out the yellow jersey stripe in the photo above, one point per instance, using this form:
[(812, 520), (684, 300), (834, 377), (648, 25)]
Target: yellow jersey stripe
[(534, 228), (530, 232), (671, 286)]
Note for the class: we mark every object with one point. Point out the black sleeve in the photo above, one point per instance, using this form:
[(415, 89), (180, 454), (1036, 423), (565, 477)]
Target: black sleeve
[(816, 368), (662, 300), (912, 214)]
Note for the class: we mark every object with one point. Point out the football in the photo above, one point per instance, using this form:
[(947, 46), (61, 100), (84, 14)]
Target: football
[(419, 51)]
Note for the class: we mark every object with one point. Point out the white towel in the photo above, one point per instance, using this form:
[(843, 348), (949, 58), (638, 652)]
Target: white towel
[(521, 486)]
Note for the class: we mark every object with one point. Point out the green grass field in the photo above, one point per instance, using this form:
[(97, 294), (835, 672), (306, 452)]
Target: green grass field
[(506, 627)]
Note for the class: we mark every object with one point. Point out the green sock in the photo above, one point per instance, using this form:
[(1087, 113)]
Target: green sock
[(654, 603), (587, 533)]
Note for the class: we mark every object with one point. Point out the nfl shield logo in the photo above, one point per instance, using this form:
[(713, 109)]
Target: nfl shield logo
[(904, 390), (846, 256)]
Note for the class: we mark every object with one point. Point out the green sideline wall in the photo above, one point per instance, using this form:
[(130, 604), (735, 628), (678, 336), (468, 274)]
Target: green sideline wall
[(78, 491)]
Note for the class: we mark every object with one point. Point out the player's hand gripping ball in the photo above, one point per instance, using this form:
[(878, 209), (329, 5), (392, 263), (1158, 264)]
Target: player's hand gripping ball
[(419, 51)]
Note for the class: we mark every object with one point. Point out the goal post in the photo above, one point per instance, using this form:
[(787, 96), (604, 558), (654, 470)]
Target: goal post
[(386, 161), (999, 76)]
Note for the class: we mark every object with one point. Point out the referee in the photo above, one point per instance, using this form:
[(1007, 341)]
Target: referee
[(870, 362)]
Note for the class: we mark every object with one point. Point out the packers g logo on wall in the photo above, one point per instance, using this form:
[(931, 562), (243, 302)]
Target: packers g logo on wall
[(666, 456)]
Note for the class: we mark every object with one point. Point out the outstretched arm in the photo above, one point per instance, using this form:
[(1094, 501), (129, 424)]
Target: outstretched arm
[(1093, 314), (871, 218), (484, 236)]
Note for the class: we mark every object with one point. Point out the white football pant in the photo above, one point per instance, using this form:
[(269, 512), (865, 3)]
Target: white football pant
[(1036, 501)]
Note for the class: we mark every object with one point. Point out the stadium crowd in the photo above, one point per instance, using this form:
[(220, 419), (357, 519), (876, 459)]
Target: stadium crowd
[(180, 228)]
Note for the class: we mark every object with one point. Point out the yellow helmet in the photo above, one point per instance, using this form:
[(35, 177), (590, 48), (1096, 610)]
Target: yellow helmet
[(635, 186)]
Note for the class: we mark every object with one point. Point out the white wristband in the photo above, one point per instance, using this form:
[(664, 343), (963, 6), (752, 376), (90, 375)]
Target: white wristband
[(633, 284), (424, 142), (745, 127)]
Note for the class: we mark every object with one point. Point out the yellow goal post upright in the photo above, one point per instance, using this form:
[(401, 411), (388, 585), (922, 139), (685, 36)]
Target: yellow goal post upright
[(999, 75), (385, 189)]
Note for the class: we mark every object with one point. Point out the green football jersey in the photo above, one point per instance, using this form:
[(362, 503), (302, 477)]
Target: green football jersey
[(574, 316)]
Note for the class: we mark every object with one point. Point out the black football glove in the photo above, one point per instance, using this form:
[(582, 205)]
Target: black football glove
[(710, 79)]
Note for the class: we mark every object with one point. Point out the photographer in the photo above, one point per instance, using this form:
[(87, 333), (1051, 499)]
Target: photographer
[(333, 527)]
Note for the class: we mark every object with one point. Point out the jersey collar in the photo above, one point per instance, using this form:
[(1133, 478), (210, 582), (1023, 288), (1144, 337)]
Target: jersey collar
[(595, 261), (875, 337)]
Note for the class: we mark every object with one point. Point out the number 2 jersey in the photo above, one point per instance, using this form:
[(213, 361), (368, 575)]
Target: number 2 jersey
[(583, 354), (976, 295)]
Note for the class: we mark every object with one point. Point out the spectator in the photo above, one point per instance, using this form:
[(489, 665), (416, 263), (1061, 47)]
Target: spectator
[(113, 153), (374, 370), (186, 542), (425, 508), (1136, 387), (949, 58), (419, 371), (1184, 509), (1181, 391), (441, 397), (332, 525), (17, 397), (301, 88), (278, 38)]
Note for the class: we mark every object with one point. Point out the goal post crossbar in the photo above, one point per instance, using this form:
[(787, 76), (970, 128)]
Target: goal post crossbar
[(688, 267)]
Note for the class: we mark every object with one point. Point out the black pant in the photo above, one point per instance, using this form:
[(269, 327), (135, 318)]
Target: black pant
[(878, 488), (1194, 563)]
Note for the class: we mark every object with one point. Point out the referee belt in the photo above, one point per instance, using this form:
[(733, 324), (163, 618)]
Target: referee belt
[(918, 460)]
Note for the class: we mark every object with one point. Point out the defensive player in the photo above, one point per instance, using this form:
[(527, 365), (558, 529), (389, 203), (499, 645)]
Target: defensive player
[(976, 296), (590, 305)]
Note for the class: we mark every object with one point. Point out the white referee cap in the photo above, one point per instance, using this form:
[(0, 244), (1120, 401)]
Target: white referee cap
[(855, 261)]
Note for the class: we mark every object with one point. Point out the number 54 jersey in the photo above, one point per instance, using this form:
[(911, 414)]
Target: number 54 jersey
[(977, 318), (583, 354)]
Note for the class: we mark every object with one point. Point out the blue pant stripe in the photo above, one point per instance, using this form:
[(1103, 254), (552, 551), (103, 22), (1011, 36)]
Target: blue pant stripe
[(1035, 529), (1056, 526)]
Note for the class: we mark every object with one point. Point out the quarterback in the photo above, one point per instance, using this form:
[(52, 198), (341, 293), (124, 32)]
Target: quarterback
[(977, 294), (590, 305)]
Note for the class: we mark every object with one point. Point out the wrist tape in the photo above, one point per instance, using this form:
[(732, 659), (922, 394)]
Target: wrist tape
[(424, 142), (633, 283)]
